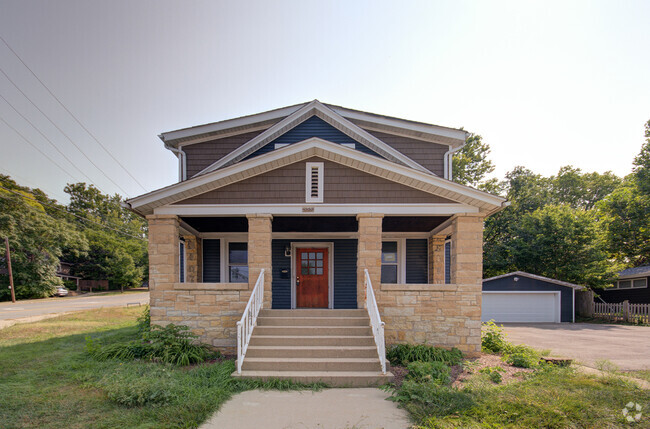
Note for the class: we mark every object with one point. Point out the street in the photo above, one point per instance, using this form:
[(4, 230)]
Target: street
[(32, 308)]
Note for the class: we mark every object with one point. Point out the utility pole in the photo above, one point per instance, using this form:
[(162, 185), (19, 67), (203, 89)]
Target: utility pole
[(11, 276)]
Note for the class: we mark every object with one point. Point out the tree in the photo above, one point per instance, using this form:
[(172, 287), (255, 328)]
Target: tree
[(581, 190), (625, 213), (560, 242), (119, 251), (37, 241), (471, 164)]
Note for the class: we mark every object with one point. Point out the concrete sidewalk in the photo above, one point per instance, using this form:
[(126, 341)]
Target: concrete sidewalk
[(328, 409)]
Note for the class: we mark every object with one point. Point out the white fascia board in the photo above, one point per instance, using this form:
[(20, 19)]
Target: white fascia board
[(535, 277), (314, 209), (451, 133), (304, 146), (229, 123), (323, 112)]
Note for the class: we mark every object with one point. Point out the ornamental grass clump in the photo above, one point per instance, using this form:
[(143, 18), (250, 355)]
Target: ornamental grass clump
[(403, 354), (172, 344)]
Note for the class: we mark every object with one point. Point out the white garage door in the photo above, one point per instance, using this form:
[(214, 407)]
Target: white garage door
[(521, 307)]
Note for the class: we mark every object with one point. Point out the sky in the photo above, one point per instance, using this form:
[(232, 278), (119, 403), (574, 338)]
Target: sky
[(547, 84)]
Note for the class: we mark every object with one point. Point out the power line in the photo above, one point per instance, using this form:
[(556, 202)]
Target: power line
[(62, 132), (23, 180), (71, 114), (37, 148), (67, 212)]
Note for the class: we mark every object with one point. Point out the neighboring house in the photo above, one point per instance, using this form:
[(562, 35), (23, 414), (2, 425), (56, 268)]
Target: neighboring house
[(65, 273), (632, 286), (525, 297), (315, 195)]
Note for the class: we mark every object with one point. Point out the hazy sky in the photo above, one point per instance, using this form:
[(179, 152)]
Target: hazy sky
[(545, 83)]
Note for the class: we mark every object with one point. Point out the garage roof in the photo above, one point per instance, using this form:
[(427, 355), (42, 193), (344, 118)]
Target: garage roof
[(536, 277)]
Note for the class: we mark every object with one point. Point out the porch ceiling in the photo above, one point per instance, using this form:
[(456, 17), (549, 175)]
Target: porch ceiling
[(313, 223)]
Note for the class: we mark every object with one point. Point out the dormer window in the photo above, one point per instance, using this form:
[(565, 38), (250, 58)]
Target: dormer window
[(314, 182)]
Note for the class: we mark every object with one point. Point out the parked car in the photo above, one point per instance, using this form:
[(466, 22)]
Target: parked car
[(61, 291)]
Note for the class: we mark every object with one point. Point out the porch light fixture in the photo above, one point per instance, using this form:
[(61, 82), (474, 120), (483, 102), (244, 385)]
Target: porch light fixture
[(287, 251), (516, 279)]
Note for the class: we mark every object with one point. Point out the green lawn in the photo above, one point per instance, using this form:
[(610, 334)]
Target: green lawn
[(48, 381)]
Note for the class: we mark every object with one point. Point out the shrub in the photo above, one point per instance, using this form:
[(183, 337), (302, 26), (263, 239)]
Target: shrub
[(173, 344), (494, 373), (403, 354), (521, 356), (436, 372), (493, 339), (424, 400)]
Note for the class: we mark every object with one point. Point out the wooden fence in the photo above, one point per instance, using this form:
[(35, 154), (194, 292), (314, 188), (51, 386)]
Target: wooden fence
[(623, 312)]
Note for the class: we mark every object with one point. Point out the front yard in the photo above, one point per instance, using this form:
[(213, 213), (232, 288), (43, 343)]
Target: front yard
[(48, 381)]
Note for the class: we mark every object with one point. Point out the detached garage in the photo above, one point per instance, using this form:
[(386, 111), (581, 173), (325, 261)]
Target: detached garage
[(524, 297)]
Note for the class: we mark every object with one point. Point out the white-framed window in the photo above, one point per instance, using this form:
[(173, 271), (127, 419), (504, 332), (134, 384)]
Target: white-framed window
[(632, 283), (280, 145), (390, 272), (181, 261), (237, 262), (314, 182)]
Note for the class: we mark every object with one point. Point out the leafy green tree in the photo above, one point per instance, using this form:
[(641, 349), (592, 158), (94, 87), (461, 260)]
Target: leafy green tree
[(471, 165), (581, 190), (119, 251), (37, 240), (625, 212), (560, 242)]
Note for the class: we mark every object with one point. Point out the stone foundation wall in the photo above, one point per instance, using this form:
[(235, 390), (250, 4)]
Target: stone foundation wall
[(438, 315), (211, 310)]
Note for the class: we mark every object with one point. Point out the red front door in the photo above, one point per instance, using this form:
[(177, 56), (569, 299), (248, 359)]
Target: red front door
[(312, 286)]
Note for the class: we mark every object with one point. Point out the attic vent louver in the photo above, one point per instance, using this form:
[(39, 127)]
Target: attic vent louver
[(314, 182)]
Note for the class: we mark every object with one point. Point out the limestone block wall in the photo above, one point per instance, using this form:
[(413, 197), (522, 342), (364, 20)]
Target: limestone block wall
[(438, 315), (211, 310)]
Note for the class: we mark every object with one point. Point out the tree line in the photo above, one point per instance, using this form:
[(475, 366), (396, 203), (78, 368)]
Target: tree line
[(573, 226), (100, 238)]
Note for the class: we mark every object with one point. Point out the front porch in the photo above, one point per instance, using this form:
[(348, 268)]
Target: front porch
[(425, 271)]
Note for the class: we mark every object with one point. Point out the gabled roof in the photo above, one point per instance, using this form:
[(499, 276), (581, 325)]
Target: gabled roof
[(314, 108), (536, 277), (635, 272), (311, 147), (427, 132)]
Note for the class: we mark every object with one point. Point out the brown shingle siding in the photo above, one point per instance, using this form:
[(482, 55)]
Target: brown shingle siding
[(429, 155), (201, 155), (342, 185)]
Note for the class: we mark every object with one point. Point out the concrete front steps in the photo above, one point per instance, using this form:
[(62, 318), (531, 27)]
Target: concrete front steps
[(335, 347)]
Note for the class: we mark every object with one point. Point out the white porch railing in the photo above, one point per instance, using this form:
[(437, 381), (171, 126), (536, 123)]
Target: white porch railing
[(249, 319), (375, 322)]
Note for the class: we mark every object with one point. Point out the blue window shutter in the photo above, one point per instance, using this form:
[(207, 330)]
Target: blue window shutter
[(211, 261), (182, 262), (417, 256), (448, 262)]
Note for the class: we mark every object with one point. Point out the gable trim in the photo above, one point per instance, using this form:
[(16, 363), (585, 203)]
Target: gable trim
[(314, 108), (330, 151)]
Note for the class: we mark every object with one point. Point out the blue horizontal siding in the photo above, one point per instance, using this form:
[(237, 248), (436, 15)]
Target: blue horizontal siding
[(345, 273), (448, 262), (417, 253), (312, 127), (211, 261)]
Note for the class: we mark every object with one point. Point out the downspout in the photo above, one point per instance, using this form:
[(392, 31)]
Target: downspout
[(447, 160)]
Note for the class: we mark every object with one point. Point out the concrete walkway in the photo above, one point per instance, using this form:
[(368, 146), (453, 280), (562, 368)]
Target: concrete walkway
[(327, 409)]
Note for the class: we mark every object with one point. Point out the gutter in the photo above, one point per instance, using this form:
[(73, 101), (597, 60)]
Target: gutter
[(182, 158)]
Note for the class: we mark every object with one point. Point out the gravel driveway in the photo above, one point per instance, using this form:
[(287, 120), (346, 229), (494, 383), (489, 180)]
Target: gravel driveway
[(626, 346)]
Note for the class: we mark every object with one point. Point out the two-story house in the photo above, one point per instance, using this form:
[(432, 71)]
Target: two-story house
[(336, 222)]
